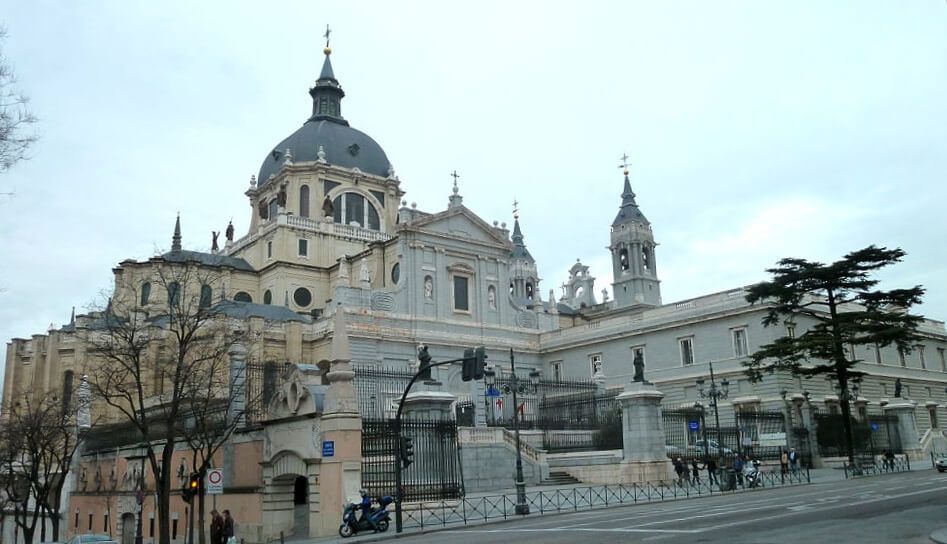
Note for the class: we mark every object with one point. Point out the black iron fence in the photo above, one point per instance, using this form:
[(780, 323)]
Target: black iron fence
[(692, 433), (538, 403), (379, 390), (262, 380), (482, 509), (435, 473), (874, 435)]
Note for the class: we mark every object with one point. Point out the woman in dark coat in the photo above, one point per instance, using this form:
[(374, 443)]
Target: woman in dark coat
[(216, 528)]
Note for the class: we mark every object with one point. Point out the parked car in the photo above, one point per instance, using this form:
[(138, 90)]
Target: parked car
[(941, 463), (91, 538), (712, 447)]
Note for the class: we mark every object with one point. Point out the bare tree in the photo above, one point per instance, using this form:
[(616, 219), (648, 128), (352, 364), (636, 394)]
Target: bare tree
[(151, 358), (37, 445), (15, 116)]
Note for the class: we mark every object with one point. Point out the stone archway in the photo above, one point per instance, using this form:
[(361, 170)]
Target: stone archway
[(128, 528), (290, 497)]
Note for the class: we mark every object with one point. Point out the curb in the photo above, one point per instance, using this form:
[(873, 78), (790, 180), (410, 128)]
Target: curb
[(939, 536)]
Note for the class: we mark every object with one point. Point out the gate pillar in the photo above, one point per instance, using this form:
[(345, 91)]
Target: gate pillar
[(903, 409), (644, 453)]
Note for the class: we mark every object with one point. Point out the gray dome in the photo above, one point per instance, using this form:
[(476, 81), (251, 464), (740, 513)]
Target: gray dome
[(344, 146)]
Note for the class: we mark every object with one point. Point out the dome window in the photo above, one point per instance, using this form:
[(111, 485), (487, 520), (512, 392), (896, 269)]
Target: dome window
[(304, 201), (267, 297), (272, 209), (354, 209), (302, 297), (395, 273), (243, 296)]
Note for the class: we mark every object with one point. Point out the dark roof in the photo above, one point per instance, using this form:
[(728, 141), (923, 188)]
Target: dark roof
[(209, 259), (629, 211), (269, 312), (519, 247)]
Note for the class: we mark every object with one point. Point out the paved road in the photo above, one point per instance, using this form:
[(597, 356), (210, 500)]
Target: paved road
[(901, 508)]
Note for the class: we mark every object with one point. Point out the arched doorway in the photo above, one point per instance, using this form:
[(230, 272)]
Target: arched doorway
[(128, 528)]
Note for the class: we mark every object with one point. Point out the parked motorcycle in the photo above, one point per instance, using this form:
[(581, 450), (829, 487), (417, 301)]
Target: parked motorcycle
[(752, 474), (376, 520)]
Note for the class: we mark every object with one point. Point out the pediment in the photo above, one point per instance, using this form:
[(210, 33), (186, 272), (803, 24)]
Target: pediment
[(460, 223)]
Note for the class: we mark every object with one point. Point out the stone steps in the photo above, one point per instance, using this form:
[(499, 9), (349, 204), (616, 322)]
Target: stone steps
[(560, 478)]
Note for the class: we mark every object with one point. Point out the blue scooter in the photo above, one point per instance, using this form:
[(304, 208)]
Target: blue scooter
[(376, 520)]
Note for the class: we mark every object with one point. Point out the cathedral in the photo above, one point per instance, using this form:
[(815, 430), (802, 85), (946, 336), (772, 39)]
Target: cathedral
[(331, 233)]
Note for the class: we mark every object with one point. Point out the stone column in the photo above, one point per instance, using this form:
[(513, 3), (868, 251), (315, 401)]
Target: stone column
[(340, 475), (903, 409), (813, 439), (644, 455)]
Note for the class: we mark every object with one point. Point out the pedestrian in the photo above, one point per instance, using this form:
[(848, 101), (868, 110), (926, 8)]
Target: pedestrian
[(216, 527), (738, 468), (680, 469), (784, 463), (793, 459), (889, 460), (711, 465), (695, 472), (227, 535)]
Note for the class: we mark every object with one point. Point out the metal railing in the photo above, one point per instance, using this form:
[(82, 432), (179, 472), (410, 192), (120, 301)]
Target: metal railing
[(883, 466), (482, 509)]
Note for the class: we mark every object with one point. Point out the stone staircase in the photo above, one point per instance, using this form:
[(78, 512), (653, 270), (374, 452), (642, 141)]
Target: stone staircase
[(558, 478)]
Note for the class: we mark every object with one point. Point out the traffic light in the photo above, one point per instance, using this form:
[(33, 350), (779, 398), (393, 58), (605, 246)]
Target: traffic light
[(407, 451), (468, 369), (192, 487), (480, 362)]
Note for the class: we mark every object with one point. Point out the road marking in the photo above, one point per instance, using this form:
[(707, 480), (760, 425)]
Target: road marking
[(588, 530)]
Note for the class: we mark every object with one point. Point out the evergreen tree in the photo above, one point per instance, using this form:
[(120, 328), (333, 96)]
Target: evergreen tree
[(846, 309)]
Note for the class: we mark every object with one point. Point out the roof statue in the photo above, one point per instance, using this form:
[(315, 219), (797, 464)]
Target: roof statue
[(229, 232)]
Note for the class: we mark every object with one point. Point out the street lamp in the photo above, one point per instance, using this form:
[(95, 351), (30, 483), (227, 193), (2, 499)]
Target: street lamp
[(515, 386), (714, 393)]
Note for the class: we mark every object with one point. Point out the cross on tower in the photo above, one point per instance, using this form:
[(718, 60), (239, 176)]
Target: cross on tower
[(516, 209), (326, 35), (455, 175), (624, 162)]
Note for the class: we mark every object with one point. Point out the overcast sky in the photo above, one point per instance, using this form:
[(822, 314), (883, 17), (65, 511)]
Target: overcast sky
[(757, 130)]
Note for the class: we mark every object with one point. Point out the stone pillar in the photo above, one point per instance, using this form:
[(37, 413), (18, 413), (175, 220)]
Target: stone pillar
[(429, 404), (340, 475), (903, 409), (644, 455), (238, 381), (809, 423)]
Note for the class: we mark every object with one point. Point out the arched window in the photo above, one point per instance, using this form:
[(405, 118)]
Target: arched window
[(67, 382), (529, 291), (623, 259), (243, 296), (304, 201), (267, 297), (353, 208), (174, 293), (645, 259), (145, 293), (207, 294)]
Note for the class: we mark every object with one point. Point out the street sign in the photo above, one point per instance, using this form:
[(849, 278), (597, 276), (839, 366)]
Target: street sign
[(493, 392), (874, 426), (328, 448), (214, 484), (693, 425)]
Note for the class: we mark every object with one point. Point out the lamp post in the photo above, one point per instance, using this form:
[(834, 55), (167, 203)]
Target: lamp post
[(514, 386), (714, 393)]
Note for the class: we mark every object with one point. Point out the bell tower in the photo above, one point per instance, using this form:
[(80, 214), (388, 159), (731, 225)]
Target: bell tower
[(524, 279), (632, 246)]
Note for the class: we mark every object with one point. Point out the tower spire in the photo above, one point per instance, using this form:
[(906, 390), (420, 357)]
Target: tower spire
[(327, 93), (176, 239), (629, 210)]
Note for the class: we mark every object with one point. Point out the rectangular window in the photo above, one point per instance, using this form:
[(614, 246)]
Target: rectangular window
[(687, 351), (151, 526), (105, 523), (943, 359), (90, 522), (77, 520), (174, 528), (791, 331), (739, 342), (920, 356), (877, 354), (461, 294), (901, 359), (269, 250), (933, 412), (595, 363), (303, 247), (557, 371)]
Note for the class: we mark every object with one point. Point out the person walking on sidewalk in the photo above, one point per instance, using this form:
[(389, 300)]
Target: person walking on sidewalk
[(711, 465), (680, 470), (784, 464), (793, 460), (738, 468), (695, 472)]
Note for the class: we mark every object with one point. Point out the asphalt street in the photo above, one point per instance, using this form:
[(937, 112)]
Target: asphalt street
[(902, 507)]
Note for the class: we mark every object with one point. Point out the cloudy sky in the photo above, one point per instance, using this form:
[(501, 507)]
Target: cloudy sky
[(757, 130)]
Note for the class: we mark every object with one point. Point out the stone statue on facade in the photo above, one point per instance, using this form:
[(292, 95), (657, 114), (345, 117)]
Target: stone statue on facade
[(281, 196), (328, 210), (492, 298), (229, 232), (263, 211), (639, 368), (363, 274), (897, 388), (428, 288)]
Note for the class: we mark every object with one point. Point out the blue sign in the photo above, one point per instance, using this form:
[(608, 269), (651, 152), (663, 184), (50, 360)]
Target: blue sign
[(874, 426), (328, 448), (493, 392), (693, 425)]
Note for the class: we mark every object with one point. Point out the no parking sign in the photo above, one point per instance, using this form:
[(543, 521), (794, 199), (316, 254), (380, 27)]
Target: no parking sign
[(215, 482)]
